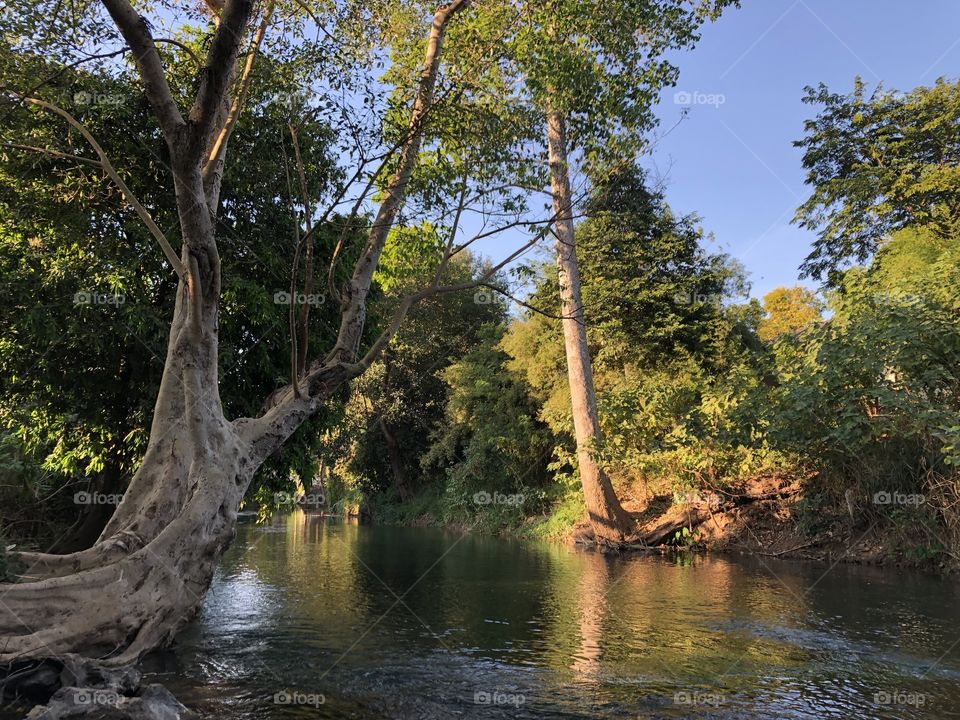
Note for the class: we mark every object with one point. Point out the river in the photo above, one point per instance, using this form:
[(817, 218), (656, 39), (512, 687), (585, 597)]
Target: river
[(313, 618)]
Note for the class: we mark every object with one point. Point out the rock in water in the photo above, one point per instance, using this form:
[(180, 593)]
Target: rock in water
[(88, 689), (154, 702)]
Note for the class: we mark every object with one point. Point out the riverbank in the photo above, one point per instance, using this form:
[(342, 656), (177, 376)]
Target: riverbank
[(765, 516)]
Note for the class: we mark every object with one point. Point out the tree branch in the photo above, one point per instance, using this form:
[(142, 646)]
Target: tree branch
[(183, 46), (303, 323), (409, 301), (219, 147), (134, 30), (218, 72), (127, 193), (54, 153), (353, 315)]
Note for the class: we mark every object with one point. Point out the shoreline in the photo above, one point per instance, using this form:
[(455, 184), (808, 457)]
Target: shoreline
[(767, 516)]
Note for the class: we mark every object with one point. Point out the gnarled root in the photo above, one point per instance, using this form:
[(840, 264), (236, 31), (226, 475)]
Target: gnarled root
[(132, 605)]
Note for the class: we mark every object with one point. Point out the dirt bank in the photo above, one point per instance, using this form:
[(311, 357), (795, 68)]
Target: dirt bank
[(770, 516)]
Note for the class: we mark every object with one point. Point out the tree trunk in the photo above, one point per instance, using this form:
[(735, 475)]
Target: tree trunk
[(396, 461), (609, 520), (147, 574), (94, 517)]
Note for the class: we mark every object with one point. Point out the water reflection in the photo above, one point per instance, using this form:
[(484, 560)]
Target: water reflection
[(398, 623)]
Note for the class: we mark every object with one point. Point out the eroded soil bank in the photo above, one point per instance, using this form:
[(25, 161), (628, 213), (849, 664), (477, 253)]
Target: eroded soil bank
[(771, 516)]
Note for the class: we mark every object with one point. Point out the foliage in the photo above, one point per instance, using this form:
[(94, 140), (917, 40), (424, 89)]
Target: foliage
[(787, 311), (401, 399), (878, 163), (490, 441), (873, 394), (567, 510), (678, 368), (85, 332)]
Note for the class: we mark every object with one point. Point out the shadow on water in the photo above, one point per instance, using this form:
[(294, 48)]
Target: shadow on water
[(313, 618)]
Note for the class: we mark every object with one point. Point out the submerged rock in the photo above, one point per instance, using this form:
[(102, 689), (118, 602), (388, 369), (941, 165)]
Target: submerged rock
[(154, 702)]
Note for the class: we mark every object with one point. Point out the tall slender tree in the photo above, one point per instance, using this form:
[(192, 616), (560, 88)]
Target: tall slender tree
[(609, 520), (596, 82)]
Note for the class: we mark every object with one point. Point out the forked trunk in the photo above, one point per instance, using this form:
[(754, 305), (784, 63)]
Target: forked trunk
[(148, 572), (609, 520)]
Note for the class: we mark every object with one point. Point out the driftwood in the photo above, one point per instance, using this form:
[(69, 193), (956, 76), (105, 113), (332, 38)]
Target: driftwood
[(791, 549), (667, 526)]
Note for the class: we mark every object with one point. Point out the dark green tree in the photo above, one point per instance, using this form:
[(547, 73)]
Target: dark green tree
[(878, 162)]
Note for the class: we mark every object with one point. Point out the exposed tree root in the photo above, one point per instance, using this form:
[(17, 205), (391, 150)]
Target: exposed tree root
[(139, 601)]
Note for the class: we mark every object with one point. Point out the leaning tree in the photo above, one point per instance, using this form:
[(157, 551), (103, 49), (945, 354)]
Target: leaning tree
[(462, 134), (146, 574)]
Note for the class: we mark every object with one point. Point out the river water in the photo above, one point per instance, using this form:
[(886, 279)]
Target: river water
[(310, 618)]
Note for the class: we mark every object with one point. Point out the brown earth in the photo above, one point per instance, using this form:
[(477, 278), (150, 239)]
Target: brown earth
[(767, 516)]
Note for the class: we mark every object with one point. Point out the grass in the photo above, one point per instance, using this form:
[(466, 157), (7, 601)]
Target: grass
[(567, 512)]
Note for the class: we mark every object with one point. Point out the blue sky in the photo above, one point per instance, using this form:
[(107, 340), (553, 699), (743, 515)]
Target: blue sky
[(734, 163)]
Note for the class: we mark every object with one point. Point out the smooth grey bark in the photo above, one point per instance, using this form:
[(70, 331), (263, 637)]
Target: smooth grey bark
[(147, 574), (609, 520)]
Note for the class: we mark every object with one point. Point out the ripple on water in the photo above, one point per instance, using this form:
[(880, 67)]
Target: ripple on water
[(488, 629)]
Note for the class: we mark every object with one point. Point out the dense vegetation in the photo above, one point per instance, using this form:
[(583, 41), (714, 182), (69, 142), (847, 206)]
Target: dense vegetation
[(465, 418), (700, 387)]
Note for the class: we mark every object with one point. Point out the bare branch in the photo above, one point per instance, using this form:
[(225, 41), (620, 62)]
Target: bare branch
[(135, 31), (54, 153), (218, 72), (291, 312), (303, 324), (409, 301), (127, 193), (183, 46), (218, 149), (448, 250), (354, 315), (523, 303)]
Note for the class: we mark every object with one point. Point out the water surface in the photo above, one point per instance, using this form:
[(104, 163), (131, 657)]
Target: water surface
[(309, 618)]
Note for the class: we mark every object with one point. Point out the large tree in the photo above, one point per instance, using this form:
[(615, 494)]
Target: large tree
[(91, 299), (596, 82), (146, 574), (878, 162)]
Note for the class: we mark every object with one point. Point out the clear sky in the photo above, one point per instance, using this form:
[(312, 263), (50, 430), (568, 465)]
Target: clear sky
[(734, 163)]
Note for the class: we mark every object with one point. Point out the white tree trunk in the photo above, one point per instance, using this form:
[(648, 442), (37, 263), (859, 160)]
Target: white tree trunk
[(609, 520), (148, 572)]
